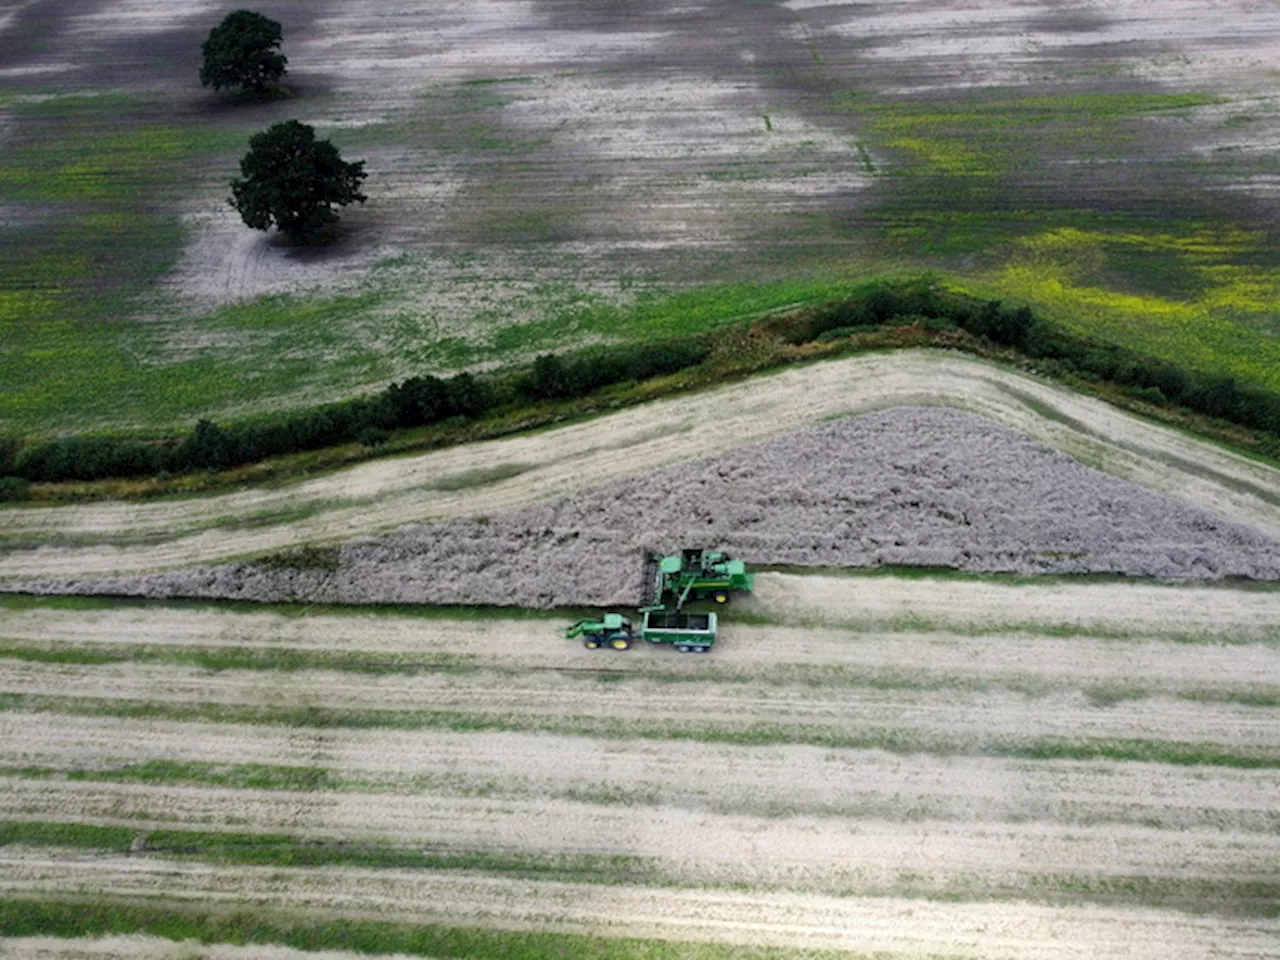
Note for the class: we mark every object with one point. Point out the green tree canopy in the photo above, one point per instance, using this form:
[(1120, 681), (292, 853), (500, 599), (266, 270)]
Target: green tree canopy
[(292, 180), (242, 51)]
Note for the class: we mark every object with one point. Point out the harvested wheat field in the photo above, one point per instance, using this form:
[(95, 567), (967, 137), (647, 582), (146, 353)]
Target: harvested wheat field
[(1096, 778), (956, 764)]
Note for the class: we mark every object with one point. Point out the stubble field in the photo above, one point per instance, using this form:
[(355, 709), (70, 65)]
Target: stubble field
[(866, 765), (1086, 781)]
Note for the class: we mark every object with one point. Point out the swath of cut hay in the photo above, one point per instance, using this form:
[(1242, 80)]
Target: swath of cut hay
[(918, 486)]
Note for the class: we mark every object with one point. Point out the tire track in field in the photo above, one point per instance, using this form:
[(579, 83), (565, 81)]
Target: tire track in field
[(792, 780), (778, 919), (949, 603), (689, 847), (384, 494), (863, 604), (562, 703)]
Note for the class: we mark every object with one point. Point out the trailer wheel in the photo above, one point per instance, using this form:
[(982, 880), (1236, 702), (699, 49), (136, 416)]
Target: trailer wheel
[(683, 647), (720, 596), (702, 649), (591, 643), (620, 643)]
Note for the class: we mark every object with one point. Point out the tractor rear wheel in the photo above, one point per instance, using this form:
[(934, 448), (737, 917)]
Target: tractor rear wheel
[(620, 643), (720, 596)]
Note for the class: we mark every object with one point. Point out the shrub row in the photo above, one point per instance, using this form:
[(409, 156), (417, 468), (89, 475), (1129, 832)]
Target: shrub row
[(1155, 380), (576, 375), (419, 401)]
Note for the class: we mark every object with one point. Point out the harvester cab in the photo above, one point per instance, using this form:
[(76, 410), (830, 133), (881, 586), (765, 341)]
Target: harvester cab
[(612, 630)]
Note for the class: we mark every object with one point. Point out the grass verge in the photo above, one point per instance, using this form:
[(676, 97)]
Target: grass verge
[(103, 917)]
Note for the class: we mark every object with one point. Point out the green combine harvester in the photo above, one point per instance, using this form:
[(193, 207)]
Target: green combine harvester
[(694, 574), (668, 583)]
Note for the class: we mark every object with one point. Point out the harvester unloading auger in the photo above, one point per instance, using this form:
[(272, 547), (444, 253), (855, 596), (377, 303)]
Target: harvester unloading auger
[(668, 583)]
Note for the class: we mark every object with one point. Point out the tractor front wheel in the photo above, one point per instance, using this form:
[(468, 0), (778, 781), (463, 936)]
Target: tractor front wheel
[(720, 596), (591, 643)]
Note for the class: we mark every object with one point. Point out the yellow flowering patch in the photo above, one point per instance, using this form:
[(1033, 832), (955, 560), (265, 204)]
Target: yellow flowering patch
[(1229, 324)]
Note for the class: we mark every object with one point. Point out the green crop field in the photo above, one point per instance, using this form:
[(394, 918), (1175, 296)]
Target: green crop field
[(532, 200)]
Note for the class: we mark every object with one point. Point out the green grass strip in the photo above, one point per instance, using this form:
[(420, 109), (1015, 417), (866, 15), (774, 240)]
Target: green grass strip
[(893, 741), (243, 658), (36, 918), (282, 850), (1244, 897)]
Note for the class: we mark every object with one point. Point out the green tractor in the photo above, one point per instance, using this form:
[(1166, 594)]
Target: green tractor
[(687, 632), (693, 574), (613, 630)]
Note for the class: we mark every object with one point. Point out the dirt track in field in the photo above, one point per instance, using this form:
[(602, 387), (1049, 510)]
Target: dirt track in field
[(688, 847), (790, 780), (769, 919), (803, 713), (871, 623), (385, 494), (942, 604)]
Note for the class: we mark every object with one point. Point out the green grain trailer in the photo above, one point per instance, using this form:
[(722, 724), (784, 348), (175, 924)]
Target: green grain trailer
[(687, 632)]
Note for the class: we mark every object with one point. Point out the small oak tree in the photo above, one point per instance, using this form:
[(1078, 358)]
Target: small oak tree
[(242, 52), (292, 180)]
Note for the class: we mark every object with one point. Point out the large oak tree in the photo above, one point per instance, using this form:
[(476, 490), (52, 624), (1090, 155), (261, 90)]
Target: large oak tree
[(293, 181), (242, 51)]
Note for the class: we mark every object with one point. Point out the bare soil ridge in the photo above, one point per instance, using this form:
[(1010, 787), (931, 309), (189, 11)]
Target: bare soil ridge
[(386, 494)]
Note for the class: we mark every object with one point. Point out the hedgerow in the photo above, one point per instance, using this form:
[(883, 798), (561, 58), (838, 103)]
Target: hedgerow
[(555, 377), (423, 401)]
